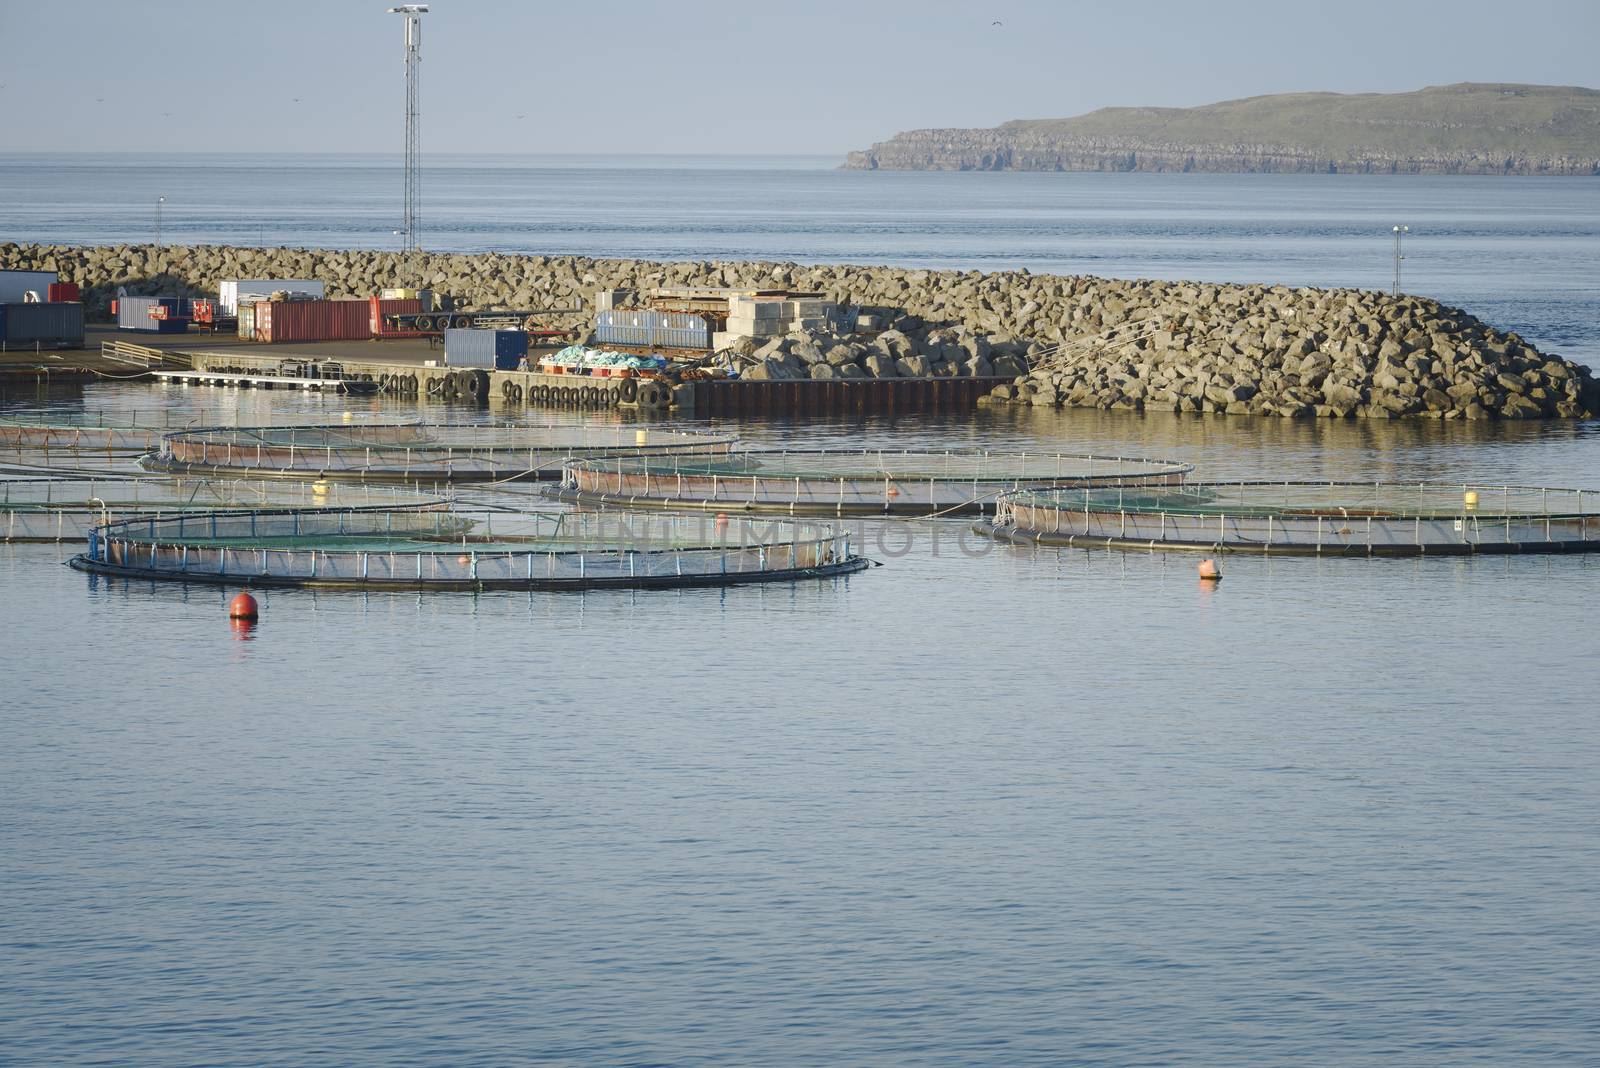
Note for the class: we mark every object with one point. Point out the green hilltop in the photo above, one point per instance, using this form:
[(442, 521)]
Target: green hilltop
[(1466, 128)]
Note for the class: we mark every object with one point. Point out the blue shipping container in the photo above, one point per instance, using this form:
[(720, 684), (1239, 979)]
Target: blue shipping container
[(500, 349), (50, 325)]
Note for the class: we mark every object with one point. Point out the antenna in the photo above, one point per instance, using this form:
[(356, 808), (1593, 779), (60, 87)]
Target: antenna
[(413, 14)]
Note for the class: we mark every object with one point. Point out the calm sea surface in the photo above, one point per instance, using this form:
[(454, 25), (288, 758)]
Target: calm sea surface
[(983, 805), (1523, 253)]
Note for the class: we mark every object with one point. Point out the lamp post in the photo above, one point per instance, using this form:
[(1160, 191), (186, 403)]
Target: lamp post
[(159, 201), (1399, 232)]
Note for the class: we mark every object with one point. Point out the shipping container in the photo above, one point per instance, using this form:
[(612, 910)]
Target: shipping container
[(134, 313), (16, 285), (51, 326), (231, 292), (378, 307), (323, 320), (247, 321), (63, 292), (500, 349), (645, 329)]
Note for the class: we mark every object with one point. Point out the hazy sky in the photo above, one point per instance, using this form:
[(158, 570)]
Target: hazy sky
[(622, 76)]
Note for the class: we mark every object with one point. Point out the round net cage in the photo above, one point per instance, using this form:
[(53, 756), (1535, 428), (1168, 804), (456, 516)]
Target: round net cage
[(415, 452), (118, 430), (840, 482), (456, 550), (1316, 518), (66, 509)]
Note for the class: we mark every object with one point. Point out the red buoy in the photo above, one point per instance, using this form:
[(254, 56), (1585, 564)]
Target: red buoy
[(1210, 571), (243, 607)]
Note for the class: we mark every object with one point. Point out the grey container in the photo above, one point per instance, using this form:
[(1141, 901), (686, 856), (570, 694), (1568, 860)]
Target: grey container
[(652, 329), (247, 321), (499, 349), (56, 326), (133, 313)]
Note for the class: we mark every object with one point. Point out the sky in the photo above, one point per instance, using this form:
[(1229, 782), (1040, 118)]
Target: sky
[(691, 77)]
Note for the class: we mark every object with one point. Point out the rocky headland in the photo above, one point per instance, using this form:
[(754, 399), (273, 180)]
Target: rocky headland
[(1469, 128), (1079, 341)]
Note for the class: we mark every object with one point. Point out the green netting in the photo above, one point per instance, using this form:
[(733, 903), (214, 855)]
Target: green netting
[(448, 549), (1309, 517), (838, 482), (61, 509), (415, 451)]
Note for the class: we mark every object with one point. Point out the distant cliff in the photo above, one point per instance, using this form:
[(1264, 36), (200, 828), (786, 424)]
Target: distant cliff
[(1469, 128)]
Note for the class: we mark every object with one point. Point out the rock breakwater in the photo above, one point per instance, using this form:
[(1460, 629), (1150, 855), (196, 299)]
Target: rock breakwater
[(1093, 342)]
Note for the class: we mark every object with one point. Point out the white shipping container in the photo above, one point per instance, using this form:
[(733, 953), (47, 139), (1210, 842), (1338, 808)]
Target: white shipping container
[(231, 291), (16, 285)]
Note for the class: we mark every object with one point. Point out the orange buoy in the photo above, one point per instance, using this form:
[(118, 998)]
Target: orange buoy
[(722, 520), (1210, 571), (243, 607)]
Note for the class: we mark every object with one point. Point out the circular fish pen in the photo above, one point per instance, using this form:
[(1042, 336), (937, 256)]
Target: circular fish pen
[(447, 550), (421, 453), (113, 430), (838, 482), (66, 509), (1308, 518)]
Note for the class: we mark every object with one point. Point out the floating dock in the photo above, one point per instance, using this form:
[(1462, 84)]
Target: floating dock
[(708, 396), (1308, 518), (243, 380), (451, 551), (840, 482)]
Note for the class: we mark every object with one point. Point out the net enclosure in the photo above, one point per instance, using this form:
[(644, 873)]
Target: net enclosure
[(841, 482), (415, 452), (1314, 518), (115, 430), (66, 509), (446, 550)]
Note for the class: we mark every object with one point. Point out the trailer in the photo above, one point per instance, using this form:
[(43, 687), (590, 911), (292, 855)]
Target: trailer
[(210, 317), (494, 319)]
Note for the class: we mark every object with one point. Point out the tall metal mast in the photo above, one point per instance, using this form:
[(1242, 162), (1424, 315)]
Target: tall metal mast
[(413, 15), (1399, 232)]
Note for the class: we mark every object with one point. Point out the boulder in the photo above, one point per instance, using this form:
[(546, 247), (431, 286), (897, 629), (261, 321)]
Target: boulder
[(914, 367), (881, 366)]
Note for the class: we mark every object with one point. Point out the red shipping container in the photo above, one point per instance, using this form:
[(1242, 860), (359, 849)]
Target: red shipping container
[(322, 320), (380, 308), (62, 291)]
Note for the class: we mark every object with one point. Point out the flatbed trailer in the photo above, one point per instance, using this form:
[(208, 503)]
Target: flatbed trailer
[(439, 322)]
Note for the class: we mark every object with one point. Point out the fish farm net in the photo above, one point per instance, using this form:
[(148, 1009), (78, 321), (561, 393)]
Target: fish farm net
[(414, 452), (455, 550), (114, 430), (65, 509), (839, 482), (1317, 518)]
